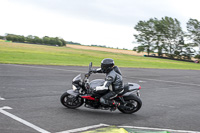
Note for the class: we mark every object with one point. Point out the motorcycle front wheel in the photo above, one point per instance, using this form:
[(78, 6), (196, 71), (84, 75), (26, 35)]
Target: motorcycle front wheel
[(132, 104), (70, 101)]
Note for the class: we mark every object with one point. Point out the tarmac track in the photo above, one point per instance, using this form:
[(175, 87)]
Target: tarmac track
[(171, 99)]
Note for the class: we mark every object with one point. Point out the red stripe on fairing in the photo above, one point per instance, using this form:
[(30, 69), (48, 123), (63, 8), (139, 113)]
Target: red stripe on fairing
[(88, 97)]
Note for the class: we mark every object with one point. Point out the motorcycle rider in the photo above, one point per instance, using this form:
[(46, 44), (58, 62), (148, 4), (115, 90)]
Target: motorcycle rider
[(113, 82)]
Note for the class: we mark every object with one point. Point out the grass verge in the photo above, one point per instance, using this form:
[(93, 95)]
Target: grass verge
[(19, 53)]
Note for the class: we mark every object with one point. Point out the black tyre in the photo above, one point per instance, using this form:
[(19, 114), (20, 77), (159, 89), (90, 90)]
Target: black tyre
[(132, 105), (70, 101)]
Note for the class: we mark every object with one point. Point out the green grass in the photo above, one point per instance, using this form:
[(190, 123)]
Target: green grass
[(18, 53)]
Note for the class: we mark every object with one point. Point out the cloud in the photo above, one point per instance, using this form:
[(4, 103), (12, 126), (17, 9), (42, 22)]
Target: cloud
[(100, 22), (124, 12)]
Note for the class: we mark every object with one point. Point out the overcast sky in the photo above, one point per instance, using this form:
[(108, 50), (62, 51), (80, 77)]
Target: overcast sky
[(98, 22)]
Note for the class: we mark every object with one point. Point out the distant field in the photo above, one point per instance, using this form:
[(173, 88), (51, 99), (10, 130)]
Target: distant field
[(120, 51), (19, 53)]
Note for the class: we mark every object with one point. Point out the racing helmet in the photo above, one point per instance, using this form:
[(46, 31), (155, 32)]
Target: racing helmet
[(107, 65)]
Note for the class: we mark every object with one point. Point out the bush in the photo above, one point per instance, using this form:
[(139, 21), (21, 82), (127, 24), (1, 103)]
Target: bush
[(36, 40), (197, 56), (1, 37)]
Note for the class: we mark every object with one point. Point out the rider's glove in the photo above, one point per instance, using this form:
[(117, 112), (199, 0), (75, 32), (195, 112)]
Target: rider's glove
[(94, 71), (87, 74)]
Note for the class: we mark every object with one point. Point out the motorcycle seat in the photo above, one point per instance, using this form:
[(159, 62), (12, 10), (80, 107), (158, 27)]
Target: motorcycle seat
[(129, 87), (126, 89)]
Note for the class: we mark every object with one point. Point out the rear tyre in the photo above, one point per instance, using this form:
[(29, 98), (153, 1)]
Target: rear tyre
[(132, 104), (71, 101)]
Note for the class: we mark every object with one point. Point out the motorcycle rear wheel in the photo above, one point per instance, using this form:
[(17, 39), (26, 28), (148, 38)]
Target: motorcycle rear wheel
[(70, 101), (132, 104)]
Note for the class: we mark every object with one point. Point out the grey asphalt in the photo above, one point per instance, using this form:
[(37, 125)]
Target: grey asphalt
[(171, 99)]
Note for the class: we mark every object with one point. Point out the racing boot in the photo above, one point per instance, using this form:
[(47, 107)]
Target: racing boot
[(114, 105)]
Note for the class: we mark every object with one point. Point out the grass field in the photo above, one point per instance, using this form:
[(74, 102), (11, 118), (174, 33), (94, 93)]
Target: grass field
[(18, 53)]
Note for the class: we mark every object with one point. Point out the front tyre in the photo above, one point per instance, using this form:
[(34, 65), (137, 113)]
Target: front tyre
[(132, 104), (71, 101)]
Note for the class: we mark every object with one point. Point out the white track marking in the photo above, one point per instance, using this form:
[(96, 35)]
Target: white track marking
[(1, 98), (43, 68), (132, 127), (21, 120), (160, 129), (83, 128), (142, 81), (165, 81), (123, 76)]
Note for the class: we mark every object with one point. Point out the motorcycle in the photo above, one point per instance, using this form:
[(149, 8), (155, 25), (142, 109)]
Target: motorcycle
[(81, 93)]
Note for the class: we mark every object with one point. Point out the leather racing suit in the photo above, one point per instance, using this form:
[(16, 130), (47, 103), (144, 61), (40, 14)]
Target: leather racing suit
[(113, 82)]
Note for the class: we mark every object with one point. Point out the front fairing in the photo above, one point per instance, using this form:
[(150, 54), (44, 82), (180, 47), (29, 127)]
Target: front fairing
[(77, 79), (77, 83)]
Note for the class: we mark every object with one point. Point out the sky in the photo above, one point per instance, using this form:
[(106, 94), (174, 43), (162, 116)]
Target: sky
[(90, 22)]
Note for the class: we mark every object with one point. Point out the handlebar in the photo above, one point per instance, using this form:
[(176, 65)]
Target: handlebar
[(87, 75)]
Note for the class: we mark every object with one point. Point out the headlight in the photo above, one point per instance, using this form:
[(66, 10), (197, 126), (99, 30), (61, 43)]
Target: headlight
[(74, 87)]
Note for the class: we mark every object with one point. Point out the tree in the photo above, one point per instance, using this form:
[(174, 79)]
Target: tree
[(159, 45), (46, 40), (172, 35), (63, 42), (9, 37), (1, 37), (29, 39), (193, 28), (197, 56), (12, 37), (163, 36), (21, 39), (37, 40), (146, 31)]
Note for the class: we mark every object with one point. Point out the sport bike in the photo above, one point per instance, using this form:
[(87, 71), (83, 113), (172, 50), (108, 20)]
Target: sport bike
[(82, 93)]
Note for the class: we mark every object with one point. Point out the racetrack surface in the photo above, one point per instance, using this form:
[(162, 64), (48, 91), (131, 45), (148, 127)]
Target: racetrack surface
[(171, 99)]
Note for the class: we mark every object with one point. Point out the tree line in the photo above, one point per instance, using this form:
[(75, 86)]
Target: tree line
[(166, 37), (56, 41)]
